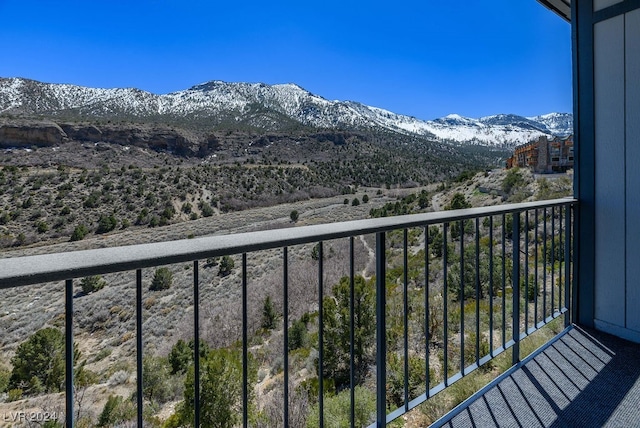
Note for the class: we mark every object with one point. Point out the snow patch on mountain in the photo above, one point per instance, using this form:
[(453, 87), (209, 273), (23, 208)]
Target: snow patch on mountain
[(556, 123), (267, 105)]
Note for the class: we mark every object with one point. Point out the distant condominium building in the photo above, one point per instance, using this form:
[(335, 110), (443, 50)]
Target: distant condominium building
[(544, 155)]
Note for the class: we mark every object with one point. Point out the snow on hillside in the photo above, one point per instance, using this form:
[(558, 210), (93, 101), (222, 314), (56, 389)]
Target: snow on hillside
[(556, 123), (217, 99)]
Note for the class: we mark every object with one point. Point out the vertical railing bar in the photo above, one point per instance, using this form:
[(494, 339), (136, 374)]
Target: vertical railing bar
[(426, 307), (553, 261), (504, 282), (405, 320), (285, 326), (320, 334), (445, 305), (516, 288), (139, 347), (352, 370), (526, 270), (567, 265), (381, 331), (544, 266), (535, 263), (491, 285), (196, 343), (560, 242), (478, 290), (68, 348), (461, 225), (574, 266), (245, 346)]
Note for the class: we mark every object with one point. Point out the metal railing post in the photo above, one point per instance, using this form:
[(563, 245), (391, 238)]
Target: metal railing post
[(68, 347), (285, 329), (139, 347), (445, 309), (504, 281), (381, 332), (516, 288), (561, 248), (245, 345), (526, 271), (567, 265), (491, 308), (427, 333), (574, 267), (196, 344), (352, 339), (461, 295), (553, 262), (536, 275), (544, 267), (320, 335), (477, 284), (405, 320)]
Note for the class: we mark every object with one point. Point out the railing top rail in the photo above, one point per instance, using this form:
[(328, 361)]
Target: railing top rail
[(36, 269)]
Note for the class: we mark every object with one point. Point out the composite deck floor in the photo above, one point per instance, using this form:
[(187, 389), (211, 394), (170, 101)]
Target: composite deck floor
[(583, 379)]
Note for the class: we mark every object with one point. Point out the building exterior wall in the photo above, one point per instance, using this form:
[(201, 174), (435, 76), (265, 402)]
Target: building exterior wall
[(609, 177), (543, 158), (602, 4), (632, 75), (609, 174), (544, 155)]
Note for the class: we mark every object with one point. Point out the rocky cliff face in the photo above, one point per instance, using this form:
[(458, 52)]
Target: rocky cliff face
[(33, 133), (27, 133), (154, 137), (89, 133)]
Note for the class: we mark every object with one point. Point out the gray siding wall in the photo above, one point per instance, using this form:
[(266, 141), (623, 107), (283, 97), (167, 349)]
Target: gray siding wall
[(632, 77), (617, 174), (601, 4)]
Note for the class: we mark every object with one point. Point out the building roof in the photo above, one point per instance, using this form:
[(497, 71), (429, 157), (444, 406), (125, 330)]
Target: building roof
[(561, 7)]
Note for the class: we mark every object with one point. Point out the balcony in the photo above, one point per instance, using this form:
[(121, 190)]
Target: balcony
[(583, 378), (453, 291)]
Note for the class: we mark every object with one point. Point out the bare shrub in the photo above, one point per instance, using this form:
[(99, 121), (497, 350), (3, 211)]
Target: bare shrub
[(118, 378), (272, 412)]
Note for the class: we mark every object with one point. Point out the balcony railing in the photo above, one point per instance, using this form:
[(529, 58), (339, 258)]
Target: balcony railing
[(500, 273)]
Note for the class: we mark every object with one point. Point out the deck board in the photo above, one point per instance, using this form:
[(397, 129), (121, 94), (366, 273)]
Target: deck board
[(584, 379)]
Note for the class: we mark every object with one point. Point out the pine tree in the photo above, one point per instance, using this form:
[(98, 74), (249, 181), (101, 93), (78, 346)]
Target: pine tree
[(162, 279), (226, 266), (336, 313), (269, 314)]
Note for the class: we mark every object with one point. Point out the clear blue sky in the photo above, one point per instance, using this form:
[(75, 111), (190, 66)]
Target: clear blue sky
[(423, 58)]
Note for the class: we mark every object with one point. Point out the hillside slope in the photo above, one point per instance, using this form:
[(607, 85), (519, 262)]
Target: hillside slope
[(265, 107)]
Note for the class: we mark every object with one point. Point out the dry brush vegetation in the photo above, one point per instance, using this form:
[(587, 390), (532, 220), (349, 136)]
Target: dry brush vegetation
[(105, 317)]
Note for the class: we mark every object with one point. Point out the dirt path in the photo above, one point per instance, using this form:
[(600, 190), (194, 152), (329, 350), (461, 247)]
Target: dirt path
[(371, 260), (435, 202)]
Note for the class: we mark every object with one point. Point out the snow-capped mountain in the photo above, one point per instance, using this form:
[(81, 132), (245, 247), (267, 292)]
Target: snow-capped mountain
[(502, 129), (556, 123), (269, 107)]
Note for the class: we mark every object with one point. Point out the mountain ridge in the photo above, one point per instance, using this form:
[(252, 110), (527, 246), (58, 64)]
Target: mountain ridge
[(268, 107)]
